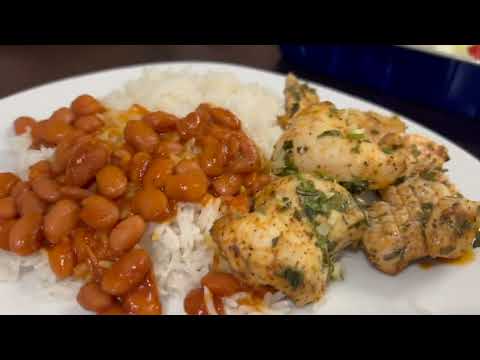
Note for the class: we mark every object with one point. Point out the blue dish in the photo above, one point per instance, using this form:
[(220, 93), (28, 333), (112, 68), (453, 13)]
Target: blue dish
[(442, 82)]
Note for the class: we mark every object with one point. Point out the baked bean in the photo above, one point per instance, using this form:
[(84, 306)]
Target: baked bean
[(161, 121), (19, 189), (25, 235), (7, 182), (233, 146), (86, 105), (218, 132), (170, 136), (65, 150), (60, 220), (249, 161), (46, 189), (157, 172), (29, 202), (8, 208), (127, 233), (22, 124), (63, 114), (74, 193), (221, 284), (186, 187), (5, 227), (212, 159), (138, 167), (187, 166), (255, 182), (86, 161), (99, 212), (52, 131), (191, 126), (121, 158), (141, 136), (39, 169), (142, 301), (114, 310), (166, 148), (62, 259), (61, 180), (203, 110), (227, 184), (91, 297), (194, 303), (88, 123), (111, 182), (225, 118), (81, 239), (151, 204), (128, 272)]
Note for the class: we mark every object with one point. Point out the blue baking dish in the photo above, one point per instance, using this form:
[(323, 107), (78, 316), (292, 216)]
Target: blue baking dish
[(440, 81)]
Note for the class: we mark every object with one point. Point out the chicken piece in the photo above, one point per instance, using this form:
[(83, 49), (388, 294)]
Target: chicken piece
[(300, 96), (297, 97), (423, 217), (376, 126), (323, 204), (273, 250), (423, 154), (319, 140), (291, 238), (452, 228), (354, 147)]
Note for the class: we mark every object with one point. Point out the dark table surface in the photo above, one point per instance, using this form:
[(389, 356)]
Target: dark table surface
[(22, 67)]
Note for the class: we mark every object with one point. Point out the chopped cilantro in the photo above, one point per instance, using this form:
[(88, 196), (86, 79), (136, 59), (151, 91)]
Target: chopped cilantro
[(357, 134), (294, 277), (336, 133), (356, 186), (275, 241), (415, 151), (395, 254)]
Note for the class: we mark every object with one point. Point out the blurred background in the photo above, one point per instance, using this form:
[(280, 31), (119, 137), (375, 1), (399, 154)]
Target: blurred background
[(437, 86)]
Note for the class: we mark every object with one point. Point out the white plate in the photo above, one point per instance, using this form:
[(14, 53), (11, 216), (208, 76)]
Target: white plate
[(441, 290)]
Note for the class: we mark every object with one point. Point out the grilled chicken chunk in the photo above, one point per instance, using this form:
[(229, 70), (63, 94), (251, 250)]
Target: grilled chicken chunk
[(290, 240), (351, 146), (422, 217)]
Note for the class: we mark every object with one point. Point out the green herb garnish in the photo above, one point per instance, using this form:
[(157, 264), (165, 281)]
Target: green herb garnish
[(336, 133), (357, 134), (447, 250), (427, 209), (429, 175), (275, 241), (388, 150), (415, 151), (355, 186), (285, 204), (396, 254), (294, 277)]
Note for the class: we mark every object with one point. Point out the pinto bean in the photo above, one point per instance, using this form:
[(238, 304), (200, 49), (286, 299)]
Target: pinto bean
[(8, 208), (128, 272), (86, 105), (60, 220), (26, 235), (127, 233), (99, 212)]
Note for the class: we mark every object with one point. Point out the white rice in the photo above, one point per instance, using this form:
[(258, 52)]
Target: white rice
[(179, 250)]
